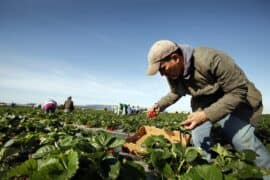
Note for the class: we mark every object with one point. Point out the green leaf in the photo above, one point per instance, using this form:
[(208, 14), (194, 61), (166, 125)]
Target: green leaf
[(67, 142), (8, 151), (44, 151), (72, 161), (247, 155), (225, 164), (156, 142), (191, 155), (102, 141), (157, 159), (117, 143), (178, 150), (132, 171), (26, 168), (115, 170), (191, 175), (167, 171), (209, 172), (244, 170), (84, 146), (10, 142), (222, 151), (59, 168), (166, 154), (104, 138), (230, 177), (48, 163)]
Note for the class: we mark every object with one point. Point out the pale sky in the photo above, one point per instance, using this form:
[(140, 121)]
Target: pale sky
[(96, 51)]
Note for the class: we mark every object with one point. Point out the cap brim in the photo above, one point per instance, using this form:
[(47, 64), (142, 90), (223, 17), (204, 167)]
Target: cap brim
[(153, 69)]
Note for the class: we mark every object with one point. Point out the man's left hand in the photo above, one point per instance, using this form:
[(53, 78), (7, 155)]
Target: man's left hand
[(194, 119)]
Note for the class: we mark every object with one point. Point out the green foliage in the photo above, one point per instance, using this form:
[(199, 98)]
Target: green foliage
[(34, 145), (172, 161), (238, 165), (209, 172), (26, 168), (114, 170), (44, 151), (131, 171), (106, 141), (63, 166)]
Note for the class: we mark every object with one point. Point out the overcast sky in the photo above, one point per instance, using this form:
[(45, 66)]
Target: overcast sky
[(96, 50)]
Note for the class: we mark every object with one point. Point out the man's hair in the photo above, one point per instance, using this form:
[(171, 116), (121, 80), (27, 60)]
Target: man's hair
[(179, 51), (167, 58)]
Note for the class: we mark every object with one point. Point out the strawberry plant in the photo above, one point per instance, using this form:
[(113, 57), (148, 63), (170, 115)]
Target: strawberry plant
[(174, 161), (34, 145)]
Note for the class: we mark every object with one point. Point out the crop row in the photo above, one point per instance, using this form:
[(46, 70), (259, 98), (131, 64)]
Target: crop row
[(51, 146)]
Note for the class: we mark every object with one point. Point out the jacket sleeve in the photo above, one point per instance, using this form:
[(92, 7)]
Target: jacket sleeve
[(176, 91), (233, 82)]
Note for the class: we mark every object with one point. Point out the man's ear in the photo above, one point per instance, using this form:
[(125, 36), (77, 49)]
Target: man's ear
[(175, 57)]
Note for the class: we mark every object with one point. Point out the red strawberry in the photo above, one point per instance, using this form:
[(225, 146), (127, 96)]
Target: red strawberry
[(110, 128), (151, 114)]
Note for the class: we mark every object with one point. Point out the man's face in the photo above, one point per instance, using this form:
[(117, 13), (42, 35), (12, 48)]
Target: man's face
[(173, 67)]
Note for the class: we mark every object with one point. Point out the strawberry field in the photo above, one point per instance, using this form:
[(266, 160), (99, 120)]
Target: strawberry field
[(87, 144)]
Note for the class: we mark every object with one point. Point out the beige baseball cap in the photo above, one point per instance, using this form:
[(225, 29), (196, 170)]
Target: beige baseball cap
[(158, 51)]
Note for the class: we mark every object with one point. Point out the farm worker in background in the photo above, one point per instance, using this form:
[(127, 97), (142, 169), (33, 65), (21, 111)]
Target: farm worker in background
[(121, 109), (37, 106), (124, 110), (115, 109), (129, 110), (221, 93), (118, 109), (49, 106), (68, 105)]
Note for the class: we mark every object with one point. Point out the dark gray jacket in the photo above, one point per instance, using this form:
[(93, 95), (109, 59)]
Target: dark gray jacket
[(217, 86)]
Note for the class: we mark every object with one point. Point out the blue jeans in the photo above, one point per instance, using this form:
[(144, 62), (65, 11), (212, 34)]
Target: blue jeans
[(237, 131)]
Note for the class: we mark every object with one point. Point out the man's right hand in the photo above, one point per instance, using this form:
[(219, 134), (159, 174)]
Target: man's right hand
[(153, 111)]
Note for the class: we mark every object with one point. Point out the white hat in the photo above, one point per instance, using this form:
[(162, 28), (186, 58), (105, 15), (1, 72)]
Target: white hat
[(159, 50)]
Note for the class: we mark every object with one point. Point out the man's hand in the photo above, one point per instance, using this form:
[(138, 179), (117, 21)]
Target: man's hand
[(194, 119), (154, 107), (153, 111)]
